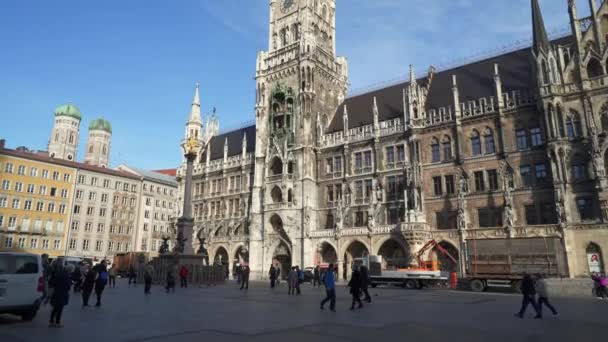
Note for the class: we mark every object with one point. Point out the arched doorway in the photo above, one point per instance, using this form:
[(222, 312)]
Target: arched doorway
[(595, 259), (282, 258), (282, 253), (355, 249), (326, 254), (221, 258), (445, 263), (394, 255)]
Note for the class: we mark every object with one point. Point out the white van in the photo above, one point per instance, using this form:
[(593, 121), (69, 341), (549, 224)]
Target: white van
[(21, 284)]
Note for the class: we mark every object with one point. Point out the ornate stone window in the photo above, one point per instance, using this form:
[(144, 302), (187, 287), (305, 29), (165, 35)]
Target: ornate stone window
[(488, 138), (435, 151), (446, 143), (475, 143)]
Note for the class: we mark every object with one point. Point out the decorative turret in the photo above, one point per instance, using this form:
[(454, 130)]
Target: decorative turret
[(64, 137), (194, 126), (98, 145), (540, 42)]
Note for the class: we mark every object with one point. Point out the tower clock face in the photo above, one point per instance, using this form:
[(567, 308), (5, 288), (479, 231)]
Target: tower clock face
[(286, 5)]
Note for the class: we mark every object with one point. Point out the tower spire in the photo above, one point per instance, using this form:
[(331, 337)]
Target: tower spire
[(195, 112), (540, 37)]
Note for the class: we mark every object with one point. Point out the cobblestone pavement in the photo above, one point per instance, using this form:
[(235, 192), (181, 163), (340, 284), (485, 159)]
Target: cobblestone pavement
[(260, 314)]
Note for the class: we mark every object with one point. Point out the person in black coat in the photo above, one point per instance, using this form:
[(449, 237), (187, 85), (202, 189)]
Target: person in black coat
[(62, 283), (87, 285), (365, 283), (272, 274), (355, 289), (102, 280), (245, 270), (528, 291)]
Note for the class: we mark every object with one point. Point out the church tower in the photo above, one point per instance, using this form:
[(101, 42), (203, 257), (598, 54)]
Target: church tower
[(98, 145), (64, 137), (299, 84)]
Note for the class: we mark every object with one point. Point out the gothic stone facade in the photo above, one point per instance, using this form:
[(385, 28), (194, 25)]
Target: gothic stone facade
[(513, 146)]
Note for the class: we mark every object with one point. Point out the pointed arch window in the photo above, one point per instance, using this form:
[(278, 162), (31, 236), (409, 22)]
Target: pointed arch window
[(545, 73), (435, 152), (579, 169), (594, 68), (574, 128), (521, 136), (71, 138), (488, 139), (447, 148), (475, 143), (56, 137)]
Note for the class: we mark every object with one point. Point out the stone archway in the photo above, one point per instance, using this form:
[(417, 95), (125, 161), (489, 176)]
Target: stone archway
[(281, 256), (355, 249), (394, 255), (221, 257), (445, 263), (326, 254)]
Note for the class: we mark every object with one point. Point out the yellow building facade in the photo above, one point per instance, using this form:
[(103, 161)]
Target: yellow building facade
[(35, 202)]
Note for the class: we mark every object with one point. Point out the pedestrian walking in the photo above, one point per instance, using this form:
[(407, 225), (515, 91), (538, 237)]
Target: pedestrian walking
[(316, 277), (543, 296), (148, 274), (365, 282), (102, 280), (278, 269), (132, 276), (239, 273), (76, 276), (170, 279), (355, 288), (330, 289), (292, 281), (272, 275), (46, 273), (90, 276), (599, 284), (245, 277), (300, 281), (529, 296), (61, 293), (183, 276), (112, 274)]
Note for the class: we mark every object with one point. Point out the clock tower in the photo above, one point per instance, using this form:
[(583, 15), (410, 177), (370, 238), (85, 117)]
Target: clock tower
[(299, 84)]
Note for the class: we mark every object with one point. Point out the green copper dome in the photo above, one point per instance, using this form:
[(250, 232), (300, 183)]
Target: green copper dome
[(68, 110), (100, 125)]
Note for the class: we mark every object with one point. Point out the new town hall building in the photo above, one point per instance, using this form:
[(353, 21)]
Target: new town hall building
[(513, 146)]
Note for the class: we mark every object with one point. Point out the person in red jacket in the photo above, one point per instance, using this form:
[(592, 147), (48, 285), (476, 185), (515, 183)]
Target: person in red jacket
[(183, 276)]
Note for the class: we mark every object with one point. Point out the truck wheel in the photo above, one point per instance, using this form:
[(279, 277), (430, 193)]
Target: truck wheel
[(478, 285), (411, 284)]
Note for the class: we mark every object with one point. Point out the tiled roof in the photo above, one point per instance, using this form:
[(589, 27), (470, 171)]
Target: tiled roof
[(82, 166), (154, 176), (168, 172), (475, 80), (235, 143)]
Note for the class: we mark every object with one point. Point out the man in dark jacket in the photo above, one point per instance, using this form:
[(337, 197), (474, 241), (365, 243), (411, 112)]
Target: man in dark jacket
[(529, 296), (272, 274), (316, 280), (102, 280), (88, 285), (365, 283), (61, 283), (245, 277), (355, 289)]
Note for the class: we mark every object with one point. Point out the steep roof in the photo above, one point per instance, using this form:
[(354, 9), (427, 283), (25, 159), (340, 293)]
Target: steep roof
[(475, 80), (153, 176), (168, 172), (235, 143), (81, 166)]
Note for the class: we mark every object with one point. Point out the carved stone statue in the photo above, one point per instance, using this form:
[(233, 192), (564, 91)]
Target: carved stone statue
[(462, 221), (201, 249), (559, 206), (164, 247), (371, 221)]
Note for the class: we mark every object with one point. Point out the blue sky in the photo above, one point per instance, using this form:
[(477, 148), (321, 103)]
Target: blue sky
[(135, 62)]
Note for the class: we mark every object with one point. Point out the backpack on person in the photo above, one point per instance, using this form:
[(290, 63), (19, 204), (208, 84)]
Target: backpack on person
[(103, 277)]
